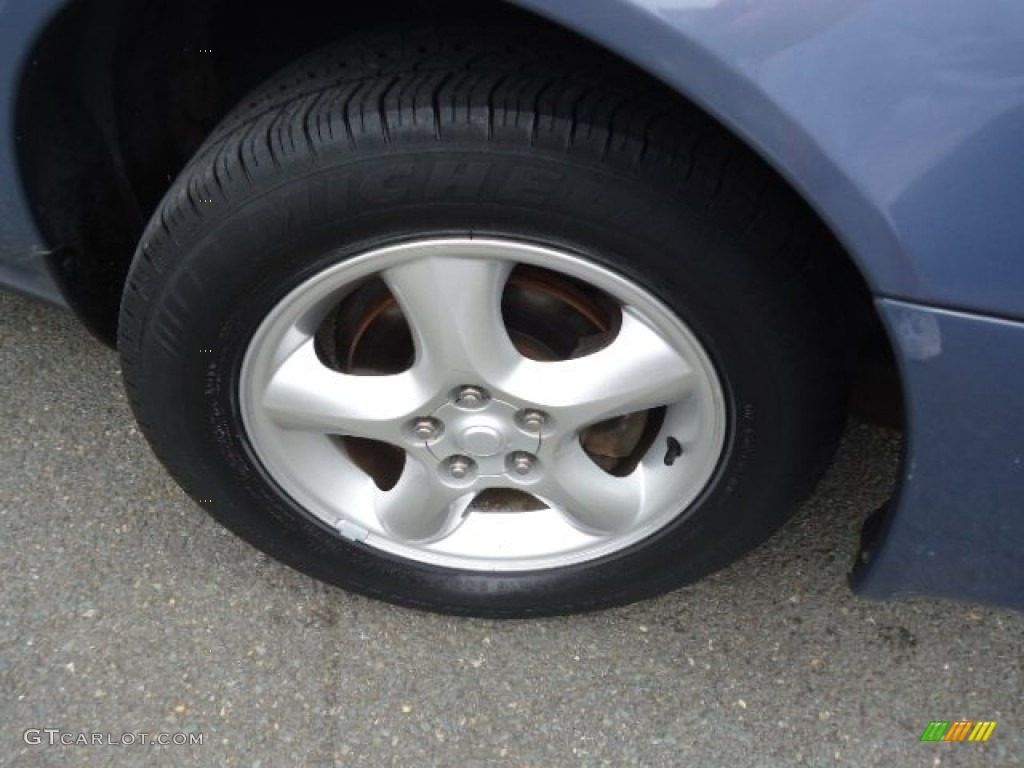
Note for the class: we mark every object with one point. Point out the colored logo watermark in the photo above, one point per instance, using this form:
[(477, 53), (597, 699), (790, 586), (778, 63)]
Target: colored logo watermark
[(958, 730)]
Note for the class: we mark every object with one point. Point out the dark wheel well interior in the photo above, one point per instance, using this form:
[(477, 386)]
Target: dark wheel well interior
[(119, 95)]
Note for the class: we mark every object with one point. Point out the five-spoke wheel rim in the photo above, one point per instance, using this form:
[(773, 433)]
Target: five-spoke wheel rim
[(495, 446)]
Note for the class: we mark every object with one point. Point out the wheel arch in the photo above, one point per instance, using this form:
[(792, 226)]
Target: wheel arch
[(119, 96), (91, 64)]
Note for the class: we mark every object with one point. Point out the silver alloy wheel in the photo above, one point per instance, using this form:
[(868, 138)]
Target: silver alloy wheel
[(472, 413)]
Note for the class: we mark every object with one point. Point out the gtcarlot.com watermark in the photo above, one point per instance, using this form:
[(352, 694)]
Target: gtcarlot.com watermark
[(54, 737)]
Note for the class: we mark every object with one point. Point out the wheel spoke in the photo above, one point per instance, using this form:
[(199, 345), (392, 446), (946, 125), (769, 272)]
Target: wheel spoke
[(453, 308), (637, 371), (592, 499), (303, 393), (420, 508)]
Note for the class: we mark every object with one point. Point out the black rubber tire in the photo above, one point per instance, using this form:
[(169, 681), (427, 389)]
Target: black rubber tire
[(452, 132)]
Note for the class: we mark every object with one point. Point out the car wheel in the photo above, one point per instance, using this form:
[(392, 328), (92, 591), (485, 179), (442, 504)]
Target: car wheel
[(454, 325)]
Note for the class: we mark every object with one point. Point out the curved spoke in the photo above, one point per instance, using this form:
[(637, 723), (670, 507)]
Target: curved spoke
[(637, 371), (590, 498), (453, 308), (303, 393), (419, 508)]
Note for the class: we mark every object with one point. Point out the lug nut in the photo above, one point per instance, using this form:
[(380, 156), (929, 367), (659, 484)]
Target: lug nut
[(532, 421), (471, 397), (460, 466), (426, 429), (522, 463)]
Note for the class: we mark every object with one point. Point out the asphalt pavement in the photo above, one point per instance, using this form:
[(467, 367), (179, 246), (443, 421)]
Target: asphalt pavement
[(126, 611)]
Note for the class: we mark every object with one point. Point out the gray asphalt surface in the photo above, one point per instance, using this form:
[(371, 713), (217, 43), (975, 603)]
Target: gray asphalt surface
[(126, 610)]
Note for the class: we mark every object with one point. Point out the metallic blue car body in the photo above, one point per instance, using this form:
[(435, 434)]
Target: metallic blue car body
[(902, 123), (22, 251)]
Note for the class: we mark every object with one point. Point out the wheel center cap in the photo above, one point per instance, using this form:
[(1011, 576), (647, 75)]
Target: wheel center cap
[(481, 440)]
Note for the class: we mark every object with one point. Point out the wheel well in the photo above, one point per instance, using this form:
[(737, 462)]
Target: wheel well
[(121, 94), (118, 97)]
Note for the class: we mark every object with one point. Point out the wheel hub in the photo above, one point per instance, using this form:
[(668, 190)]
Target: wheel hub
[(481, 440), (491, 433)]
